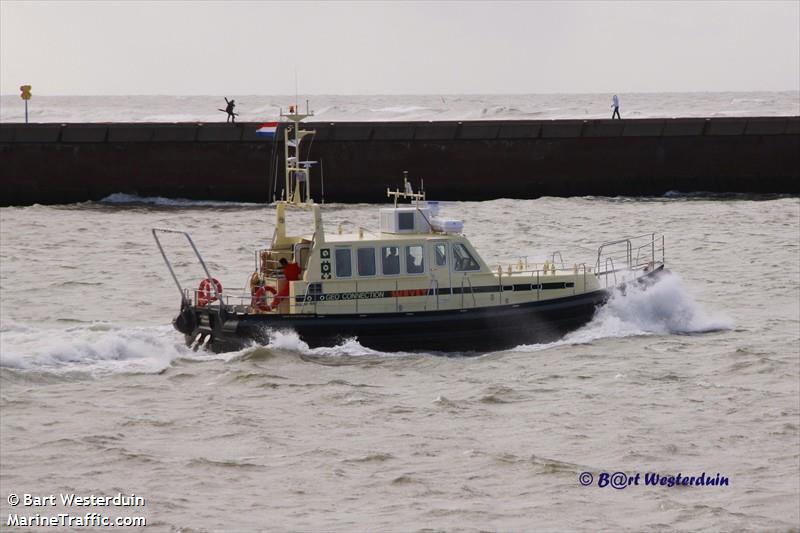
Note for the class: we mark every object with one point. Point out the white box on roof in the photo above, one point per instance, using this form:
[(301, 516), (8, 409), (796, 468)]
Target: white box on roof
[(405, 220), (447, 225)]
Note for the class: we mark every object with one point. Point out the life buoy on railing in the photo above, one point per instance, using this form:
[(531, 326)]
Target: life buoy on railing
[(260, 297), (204, 295)]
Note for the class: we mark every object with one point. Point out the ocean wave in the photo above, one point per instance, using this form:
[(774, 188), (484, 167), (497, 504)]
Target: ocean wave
[(400, 109), (120, 198), (708, 195)]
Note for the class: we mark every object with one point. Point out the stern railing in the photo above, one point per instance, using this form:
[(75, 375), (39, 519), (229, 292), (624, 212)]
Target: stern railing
[(630, 255)]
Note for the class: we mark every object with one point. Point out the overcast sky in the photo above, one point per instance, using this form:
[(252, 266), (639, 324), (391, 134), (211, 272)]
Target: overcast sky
[(197, 48)]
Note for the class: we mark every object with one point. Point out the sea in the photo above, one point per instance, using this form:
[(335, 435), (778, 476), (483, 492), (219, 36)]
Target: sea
[(677, 408), (256, 108)]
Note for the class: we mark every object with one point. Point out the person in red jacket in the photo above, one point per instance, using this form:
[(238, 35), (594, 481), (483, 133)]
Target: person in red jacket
[(292, 273)]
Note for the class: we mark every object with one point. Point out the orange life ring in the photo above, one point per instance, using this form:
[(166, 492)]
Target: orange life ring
[(204, 296), (260, 297)]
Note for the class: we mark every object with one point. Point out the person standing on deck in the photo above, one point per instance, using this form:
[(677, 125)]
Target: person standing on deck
[(291, 272), (615, 105)]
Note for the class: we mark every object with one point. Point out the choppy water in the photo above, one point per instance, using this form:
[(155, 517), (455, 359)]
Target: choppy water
[(400, 107), (98, 395)]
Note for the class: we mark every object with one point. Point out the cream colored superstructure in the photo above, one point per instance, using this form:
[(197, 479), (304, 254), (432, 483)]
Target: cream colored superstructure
[(437, 287), (407, 267)]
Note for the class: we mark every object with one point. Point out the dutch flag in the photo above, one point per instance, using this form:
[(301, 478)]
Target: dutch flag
[(267, 129)]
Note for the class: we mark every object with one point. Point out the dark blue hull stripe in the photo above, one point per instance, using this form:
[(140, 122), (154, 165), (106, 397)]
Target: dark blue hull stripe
[(400, 293)]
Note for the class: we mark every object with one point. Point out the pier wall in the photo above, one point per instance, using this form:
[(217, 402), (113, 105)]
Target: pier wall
[(470, 160)]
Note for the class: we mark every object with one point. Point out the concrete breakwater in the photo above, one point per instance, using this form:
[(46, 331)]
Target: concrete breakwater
[(469, 160)]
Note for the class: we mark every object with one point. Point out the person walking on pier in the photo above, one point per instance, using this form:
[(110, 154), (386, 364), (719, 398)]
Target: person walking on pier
[(615, 105), (229, 110)]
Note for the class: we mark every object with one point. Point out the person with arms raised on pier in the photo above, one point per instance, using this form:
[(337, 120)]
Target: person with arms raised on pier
[(229, 110)]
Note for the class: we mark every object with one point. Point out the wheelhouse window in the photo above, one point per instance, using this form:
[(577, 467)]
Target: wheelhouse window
[(344, 268), (366, 261), (390, 260), (415, 263), (440, 254), (463, 260)]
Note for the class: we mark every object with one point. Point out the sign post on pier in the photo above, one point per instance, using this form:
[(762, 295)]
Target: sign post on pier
[(26, 95)]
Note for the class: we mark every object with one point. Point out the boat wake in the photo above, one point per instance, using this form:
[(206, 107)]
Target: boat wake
[(100, 349), (664, 307), (92, 349)]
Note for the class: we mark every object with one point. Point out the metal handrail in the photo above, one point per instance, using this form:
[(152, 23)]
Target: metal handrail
[(196, 252), (305, 298), (584, 276), (628, 257), (613, 270), (557, 253), (471, 291), (434, 286)]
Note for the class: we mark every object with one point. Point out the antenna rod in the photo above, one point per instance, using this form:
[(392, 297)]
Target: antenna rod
[(322, 179)]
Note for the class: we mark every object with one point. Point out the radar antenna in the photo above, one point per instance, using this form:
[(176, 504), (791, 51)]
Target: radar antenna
[(408, 191)]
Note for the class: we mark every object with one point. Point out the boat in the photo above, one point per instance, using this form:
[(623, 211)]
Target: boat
[(418, 284)]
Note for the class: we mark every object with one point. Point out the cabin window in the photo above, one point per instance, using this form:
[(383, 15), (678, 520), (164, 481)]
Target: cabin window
[(344, 269), (390, 259), (405, 221), (440, 254), (414, 260), (462, 259), (366, 261)]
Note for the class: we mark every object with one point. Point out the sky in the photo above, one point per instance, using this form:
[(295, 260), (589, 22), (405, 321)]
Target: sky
[(457, 47)]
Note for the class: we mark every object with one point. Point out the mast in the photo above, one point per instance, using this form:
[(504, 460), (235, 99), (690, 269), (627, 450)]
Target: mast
[(298, 184), (297, 191)]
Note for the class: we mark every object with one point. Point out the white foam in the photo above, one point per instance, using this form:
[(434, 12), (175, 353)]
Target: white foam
[(666, 307), (92, 348), (289, 340)]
